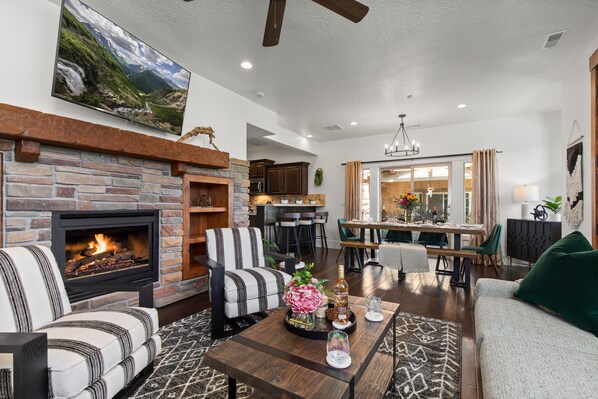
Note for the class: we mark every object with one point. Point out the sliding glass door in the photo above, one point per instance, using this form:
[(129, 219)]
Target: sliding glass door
[(430, 183)]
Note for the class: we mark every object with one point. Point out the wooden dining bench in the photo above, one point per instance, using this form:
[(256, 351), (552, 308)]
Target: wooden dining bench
[(460, 277)]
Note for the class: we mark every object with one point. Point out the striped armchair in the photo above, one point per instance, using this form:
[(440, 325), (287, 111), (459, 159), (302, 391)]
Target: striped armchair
[(240, 281), (89, 355)]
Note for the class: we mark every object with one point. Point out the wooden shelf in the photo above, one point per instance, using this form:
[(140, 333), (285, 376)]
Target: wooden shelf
[(198, 219), (196, 238), (207, 209)]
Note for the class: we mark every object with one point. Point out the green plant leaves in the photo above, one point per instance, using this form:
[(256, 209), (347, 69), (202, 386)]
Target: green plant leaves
[(554, 204), (318, 177)]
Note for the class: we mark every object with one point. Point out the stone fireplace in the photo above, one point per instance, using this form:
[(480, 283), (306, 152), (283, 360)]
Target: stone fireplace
[(72, 180), (105, 246), (55, 165)]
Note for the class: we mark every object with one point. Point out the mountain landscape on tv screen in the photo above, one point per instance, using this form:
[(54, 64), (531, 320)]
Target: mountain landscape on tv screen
[(101, 65)]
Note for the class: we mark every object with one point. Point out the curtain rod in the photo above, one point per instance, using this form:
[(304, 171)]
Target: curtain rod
[(418, 158)]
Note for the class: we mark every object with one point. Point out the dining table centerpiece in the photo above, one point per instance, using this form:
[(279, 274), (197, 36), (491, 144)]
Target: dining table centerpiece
[(406, 201), (304, 294)]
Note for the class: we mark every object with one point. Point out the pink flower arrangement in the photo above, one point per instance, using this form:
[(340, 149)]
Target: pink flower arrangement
[(304, 293)]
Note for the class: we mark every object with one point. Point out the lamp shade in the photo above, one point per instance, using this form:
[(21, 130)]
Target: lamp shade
[(526, 193)]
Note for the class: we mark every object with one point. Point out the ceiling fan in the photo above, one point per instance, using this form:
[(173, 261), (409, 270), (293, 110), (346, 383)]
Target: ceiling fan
[(350, 9)]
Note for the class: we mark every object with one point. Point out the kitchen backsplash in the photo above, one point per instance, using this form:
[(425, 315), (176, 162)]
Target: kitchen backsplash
[(275, 199)]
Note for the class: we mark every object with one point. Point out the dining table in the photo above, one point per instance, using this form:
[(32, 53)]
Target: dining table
[(375, 227)]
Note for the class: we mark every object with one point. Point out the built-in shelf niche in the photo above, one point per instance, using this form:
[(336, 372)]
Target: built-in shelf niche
[(198, 219)]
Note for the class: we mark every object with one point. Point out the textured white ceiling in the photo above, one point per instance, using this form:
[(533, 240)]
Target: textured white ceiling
[(327, 70)]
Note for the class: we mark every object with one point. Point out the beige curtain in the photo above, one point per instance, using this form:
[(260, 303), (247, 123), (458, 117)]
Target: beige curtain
[(353, 178), (484, 207)]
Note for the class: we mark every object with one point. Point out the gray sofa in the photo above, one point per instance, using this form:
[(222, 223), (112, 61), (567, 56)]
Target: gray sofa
[(527, 352)]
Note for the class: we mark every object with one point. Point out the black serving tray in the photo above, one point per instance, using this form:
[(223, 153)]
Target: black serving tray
[(321, 327)]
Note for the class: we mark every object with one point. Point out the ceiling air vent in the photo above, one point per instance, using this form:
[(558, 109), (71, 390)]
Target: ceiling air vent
[(334, 127), (553, 39)]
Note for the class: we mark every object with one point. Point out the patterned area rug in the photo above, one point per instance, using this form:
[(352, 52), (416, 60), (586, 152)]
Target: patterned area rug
[(429, 361)]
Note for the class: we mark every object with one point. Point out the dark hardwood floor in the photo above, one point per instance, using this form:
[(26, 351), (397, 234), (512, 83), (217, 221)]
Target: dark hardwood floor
[(424, 294)]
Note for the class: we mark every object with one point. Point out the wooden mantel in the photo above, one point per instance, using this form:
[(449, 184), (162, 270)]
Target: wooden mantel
[(30, 128)]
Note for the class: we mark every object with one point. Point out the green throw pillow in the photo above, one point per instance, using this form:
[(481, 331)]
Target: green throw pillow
[(565, 280)]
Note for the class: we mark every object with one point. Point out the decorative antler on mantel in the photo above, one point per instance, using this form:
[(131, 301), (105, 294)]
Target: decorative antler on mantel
[(200, 130)]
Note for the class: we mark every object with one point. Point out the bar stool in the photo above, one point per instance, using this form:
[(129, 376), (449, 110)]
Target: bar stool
[(320, 222), (290, 223), (269, 227), (306, 225)]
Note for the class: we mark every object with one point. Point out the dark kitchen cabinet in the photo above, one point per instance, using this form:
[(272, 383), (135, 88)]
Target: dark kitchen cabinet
[(257, 168), (275, 181), (287, 179), (528, 239)]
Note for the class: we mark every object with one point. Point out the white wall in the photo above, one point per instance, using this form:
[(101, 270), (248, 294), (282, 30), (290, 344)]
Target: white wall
[(28, 36), (531, 155), (576, 107)]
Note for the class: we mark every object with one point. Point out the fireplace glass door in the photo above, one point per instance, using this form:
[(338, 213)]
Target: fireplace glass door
[(106, 246)]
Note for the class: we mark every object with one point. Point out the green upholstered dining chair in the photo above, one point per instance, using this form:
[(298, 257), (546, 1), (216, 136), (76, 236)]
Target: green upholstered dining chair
[(345, 235), (490, 246), (398, 236), (435, 240)]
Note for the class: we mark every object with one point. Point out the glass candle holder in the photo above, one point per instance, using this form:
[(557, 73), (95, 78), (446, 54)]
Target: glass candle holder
[(338, 354), (373, 309), (321, 311)]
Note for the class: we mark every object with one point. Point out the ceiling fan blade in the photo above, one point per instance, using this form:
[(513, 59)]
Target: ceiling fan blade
[(274, 22), (350, 9)]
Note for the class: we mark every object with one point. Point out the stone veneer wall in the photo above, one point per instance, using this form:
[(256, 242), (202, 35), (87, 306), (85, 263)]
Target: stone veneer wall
[(66, 180)]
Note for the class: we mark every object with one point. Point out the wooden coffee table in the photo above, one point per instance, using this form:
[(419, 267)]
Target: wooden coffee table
[(278, 363)]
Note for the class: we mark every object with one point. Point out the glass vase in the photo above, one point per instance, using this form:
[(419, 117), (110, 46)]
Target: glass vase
[(304, 321), (408, 215)]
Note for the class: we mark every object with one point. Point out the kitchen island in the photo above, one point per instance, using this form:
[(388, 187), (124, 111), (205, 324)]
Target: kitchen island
[(265, 215)]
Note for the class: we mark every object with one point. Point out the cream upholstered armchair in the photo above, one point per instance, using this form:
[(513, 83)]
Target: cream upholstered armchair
[(48, 351), (240, 281)]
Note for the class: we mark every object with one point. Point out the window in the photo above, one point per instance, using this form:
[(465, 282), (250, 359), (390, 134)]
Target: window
[(468, 184), (429, 183), (365, 194)]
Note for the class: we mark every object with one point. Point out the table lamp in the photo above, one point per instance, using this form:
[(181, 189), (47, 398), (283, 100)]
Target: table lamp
[(524, 194)]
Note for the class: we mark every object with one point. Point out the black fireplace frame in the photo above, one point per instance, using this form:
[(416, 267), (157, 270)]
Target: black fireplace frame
[(76, 220)]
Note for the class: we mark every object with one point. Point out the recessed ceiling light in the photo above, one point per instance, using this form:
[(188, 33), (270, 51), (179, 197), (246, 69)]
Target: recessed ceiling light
[(246, 65), (309, 136), (461, 106), (353, 123)]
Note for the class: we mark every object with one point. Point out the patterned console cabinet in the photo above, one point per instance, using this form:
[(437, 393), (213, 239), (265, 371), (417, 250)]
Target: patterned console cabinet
[(528, 239)]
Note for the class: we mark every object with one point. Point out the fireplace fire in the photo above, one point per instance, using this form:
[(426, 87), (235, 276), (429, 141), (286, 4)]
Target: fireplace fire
[(104, 254), (115, 246)]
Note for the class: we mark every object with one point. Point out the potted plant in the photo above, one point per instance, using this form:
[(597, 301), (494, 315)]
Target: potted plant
[(553, 205)]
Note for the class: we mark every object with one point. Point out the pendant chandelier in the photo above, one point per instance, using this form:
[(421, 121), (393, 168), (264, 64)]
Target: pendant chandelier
[(401, 146)]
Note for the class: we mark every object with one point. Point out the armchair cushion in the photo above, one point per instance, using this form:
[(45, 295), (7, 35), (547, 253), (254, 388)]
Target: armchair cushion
[(32, 292), (255, 305), (83, 347), (256, 282), (119, 376), (236, 248)]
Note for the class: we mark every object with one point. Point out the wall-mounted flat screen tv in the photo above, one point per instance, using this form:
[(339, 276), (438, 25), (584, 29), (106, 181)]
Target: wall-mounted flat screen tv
[(102, 66)]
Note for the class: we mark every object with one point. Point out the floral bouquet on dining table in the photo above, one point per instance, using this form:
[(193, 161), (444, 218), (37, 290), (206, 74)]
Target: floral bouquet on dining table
[(304, 293), (406, 201)]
